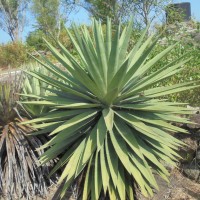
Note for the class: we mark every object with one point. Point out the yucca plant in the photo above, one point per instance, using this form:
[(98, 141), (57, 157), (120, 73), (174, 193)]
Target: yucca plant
[(108, 123), (20, 173), (32, 86)]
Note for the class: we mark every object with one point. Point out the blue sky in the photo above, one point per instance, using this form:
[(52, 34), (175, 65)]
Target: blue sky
[(82, 16)]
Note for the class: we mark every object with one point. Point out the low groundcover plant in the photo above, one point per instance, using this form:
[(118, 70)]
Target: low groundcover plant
[(107, 122)]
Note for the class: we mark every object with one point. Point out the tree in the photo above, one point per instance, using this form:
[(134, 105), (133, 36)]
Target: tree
[(100, 9), (146, 11), (47, 15), (115, 9), (51, 15), (143, 11), (13, 17)]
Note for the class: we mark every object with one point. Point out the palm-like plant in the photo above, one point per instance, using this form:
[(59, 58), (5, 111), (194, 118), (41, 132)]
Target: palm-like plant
[(107, 122), (20, 173)]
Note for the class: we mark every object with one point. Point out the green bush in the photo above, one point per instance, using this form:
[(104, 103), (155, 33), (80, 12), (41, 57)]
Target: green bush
[(35, 40), (13, 55), (106, 121), (188, 36)]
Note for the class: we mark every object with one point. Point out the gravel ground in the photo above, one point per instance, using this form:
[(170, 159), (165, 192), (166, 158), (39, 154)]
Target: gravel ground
[(180, 188)]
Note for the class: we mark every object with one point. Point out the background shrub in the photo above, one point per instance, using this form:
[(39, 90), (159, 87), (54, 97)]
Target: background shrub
[(13, 55), (35, 40), (188, 36)]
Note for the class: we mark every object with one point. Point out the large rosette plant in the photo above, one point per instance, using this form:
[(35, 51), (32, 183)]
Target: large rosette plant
[(108, 123)]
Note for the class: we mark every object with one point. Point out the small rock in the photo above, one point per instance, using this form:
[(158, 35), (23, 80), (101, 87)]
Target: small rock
[(181, 194), (187, 155), (191, 171), (196, 119), (168, 166), (197, 135), (198, 181), (198, 154), (195, 110), (188, 152)]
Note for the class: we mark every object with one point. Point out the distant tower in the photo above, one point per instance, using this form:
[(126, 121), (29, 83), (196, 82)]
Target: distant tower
[(180, 12)]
